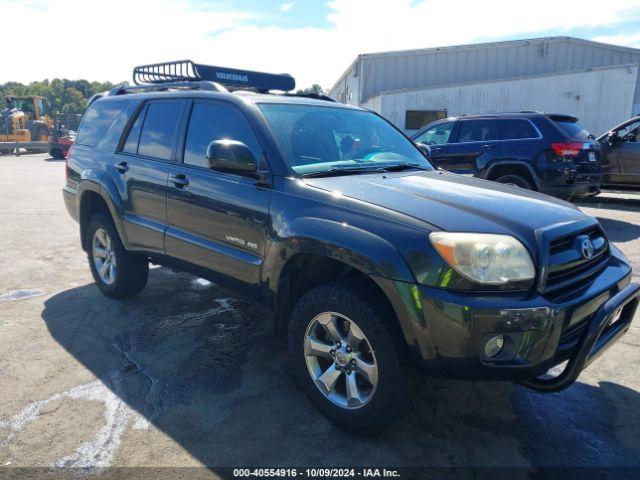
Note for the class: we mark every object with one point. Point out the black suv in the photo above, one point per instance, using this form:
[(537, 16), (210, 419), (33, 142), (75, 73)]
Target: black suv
[(366, 254), (549, 153)]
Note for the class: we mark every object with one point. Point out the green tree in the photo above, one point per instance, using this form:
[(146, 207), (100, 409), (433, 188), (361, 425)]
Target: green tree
[(314, 89), (62, 95)]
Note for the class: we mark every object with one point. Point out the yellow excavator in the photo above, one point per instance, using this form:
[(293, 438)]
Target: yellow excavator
[(25, 120)]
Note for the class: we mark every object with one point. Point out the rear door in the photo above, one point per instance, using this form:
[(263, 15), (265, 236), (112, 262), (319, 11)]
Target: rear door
[(217, 220), (520, 140), (142, 164), (475, 142), (436, 137)]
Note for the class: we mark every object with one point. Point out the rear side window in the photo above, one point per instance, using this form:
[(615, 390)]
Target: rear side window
[(216, 121), (158, 130), (572, 129), (96, 121), (131, 145), (514, 129), (477, 131)]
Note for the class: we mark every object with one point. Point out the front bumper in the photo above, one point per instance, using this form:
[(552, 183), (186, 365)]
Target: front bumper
[(448, 330)]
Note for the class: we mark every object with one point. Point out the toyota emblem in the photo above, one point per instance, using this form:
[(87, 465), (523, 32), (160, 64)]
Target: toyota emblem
[(586, 247)]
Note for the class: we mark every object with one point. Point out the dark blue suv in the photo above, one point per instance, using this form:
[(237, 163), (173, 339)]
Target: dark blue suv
[(549, 153)]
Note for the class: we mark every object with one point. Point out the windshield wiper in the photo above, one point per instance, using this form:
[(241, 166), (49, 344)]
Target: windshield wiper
[(336, 171), (402, 166)]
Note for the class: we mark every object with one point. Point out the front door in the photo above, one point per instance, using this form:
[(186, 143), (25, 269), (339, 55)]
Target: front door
[(476, 141), (217, 220), (143, 170), (626, 151), (436, 137)]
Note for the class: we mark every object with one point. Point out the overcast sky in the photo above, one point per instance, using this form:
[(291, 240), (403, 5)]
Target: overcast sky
[(315, 41)]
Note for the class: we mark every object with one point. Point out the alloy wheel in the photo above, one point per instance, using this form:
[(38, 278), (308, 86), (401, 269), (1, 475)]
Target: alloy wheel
[(340, 360), (104, 257)]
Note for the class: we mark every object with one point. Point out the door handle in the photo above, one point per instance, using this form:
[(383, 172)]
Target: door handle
[(436, 149), (122, 167), (180, 180), (487, 146)]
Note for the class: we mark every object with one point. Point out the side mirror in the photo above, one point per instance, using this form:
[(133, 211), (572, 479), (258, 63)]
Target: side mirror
[(425, 149), (231, 156)]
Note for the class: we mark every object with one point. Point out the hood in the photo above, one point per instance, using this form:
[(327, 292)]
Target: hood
[(455, 202)]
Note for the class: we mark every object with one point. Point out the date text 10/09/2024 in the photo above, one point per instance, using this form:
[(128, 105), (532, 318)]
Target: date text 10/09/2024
[(317, 472)]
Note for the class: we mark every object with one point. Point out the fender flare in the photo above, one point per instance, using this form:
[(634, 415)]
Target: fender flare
[(99, 182), (358, 248), (333, 240), (518, 163)]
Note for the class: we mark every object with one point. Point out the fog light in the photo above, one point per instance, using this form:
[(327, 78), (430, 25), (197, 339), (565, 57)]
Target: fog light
[(494, 346)]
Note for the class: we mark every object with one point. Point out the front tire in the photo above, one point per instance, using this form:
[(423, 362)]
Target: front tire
[(349, 357), (117, 272)]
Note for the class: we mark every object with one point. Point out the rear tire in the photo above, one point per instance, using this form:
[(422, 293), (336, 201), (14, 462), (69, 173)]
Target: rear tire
[(515, 180), (56, 154), (117, 272), (367, 390)]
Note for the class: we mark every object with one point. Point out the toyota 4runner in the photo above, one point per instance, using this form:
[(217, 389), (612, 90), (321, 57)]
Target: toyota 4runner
[(367, 255)]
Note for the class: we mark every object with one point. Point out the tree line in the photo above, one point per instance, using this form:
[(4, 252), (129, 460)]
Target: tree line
[(71, 96), (63, 95)]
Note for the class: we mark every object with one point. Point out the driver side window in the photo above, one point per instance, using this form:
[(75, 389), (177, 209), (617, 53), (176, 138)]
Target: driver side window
[(436, 135), (630, 133)]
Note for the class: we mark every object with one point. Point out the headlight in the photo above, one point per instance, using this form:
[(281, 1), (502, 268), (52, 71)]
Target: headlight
[(485, 258)]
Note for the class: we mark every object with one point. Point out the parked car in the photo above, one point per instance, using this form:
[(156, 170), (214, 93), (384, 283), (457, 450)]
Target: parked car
[(367, 256), (620, 154), (548, 153)]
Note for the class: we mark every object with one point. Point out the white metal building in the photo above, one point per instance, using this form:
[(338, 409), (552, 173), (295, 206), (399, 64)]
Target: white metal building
[(596, 82)]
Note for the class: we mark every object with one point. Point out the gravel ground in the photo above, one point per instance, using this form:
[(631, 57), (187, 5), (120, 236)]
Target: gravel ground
[(188, 374)]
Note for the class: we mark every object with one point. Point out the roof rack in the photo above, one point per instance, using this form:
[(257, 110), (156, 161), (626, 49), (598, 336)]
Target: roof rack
[(124, 89), (181, 71)]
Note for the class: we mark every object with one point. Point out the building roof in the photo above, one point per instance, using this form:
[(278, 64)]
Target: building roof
[(470, 48)]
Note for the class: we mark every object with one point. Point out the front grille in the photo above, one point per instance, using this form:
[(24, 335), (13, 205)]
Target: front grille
[(567, 267)]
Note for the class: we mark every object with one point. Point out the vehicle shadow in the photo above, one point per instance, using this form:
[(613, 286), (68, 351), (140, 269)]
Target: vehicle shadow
[(610, 203), (201, 364), (619, 230)]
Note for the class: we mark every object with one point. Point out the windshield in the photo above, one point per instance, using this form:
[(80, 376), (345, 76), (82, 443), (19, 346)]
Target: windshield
[(572, 129), (315, 139)]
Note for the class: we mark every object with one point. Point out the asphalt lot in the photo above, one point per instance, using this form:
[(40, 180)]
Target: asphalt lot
[(189, 374)]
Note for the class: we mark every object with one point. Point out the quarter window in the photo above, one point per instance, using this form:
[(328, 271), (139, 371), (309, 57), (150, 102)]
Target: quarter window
[(515, 129), (477, 131), (97, 119), (159, 129), (215, 121)]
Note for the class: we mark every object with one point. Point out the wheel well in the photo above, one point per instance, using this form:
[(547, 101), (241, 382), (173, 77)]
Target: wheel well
[(91, 204), (501, 170), (303, 272)]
